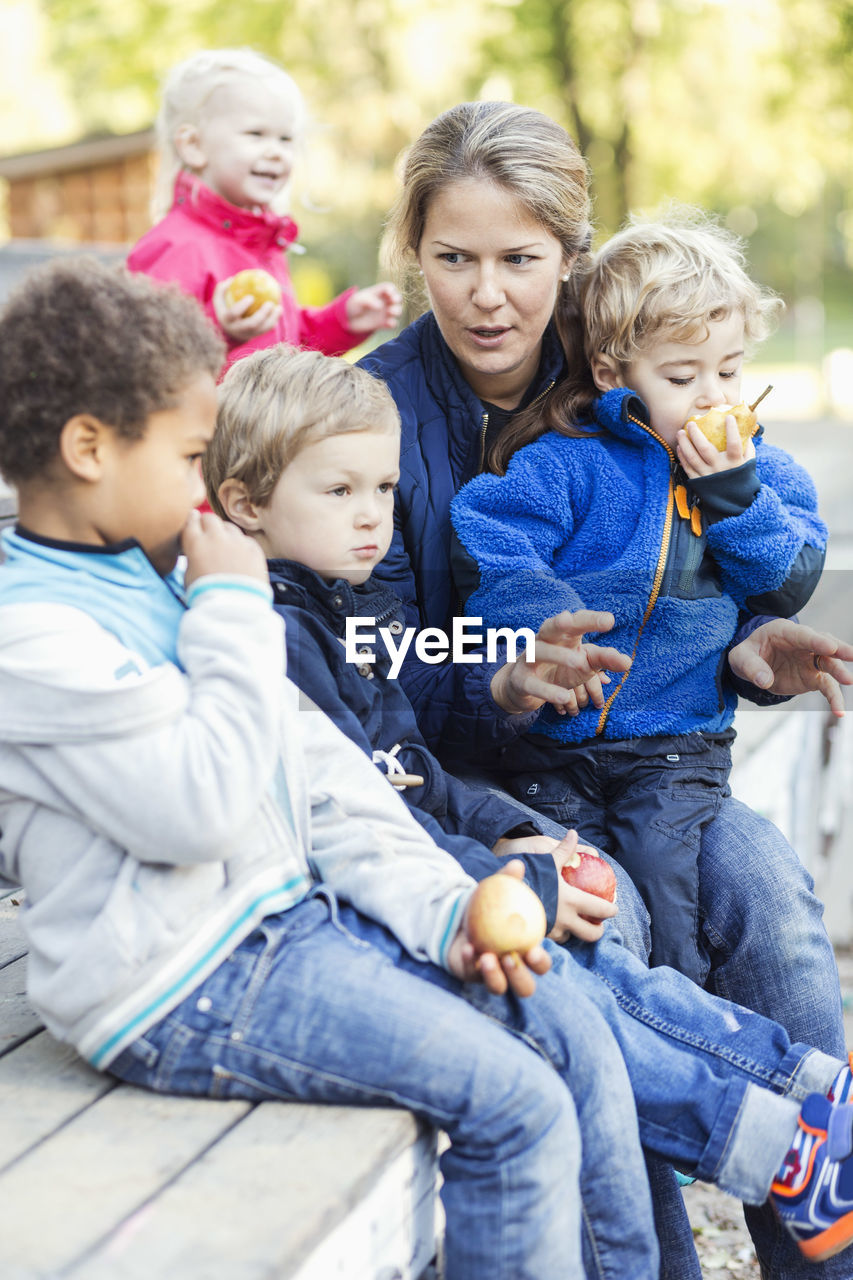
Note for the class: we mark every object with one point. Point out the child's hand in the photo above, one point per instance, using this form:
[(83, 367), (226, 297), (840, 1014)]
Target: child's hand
[(212, 545), (562, 662), (498, 973), (574, 904), (377, 307), (699, 457), (232, 317)]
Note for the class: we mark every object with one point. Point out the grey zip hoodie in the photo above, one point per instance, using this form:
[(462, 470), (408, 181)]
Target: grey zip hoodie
[(155, 811)]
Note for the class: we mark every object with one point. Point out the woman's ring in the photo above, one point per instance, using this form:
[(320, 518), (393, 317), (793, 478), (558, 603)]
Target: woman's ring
[(816, 661)]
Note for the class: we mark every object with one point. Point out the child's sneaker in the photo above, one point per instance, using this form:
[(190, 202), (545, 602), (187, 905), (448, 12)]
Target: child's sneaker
[(813, 1194), (842, 1085)]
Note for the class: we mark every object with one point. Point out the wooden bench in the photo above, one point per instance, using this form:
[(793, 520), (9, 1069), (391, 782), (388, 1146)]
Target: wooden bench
[(103, 1181)]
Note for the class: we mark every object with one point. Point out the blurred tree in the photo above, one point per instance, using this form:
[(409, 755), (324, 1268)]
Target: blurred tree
[(740, 105), (722, 103)]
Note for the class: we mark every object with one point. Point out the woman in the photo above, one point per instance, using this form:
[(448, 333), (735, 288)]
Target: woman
[(493, 217)]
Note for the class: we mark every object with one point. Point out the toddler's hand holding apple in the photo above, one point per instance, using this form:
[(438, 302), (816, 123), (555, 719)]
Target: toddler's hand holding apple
[(587, 891), (247, 304)]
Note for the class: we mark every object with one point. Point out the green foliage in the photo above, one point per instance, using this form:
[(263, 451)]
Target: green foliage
[(742, 106)]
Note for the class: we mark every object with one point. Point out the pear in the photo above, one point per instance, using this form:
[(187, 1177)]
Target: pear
[(260, 284), (713, 423)]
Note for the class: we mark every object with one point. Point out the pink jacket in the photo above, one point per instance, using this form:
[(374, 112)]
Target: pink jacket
[(204, 239)]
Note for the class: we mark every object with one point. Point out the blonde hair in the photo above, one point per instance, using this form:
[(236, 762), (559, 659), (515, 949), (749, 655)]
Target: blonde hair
[(519, 149), (186, 92), (672, 276), (275, 402)]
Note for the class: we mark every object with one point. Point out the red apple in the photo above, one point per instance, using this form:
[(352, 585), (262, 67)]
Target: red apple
[(584, 869), (504, 914)]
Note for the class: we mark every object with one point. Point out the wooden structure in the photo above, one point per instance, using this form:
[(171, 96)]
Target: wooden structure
[(100, 1180), (97, 191)]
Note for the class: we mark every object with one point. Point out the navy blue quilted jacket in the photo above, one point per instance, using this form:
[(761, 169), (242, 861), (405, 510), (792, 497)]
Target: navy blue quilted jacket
[(442, 444), (593, 522), (373, 710)]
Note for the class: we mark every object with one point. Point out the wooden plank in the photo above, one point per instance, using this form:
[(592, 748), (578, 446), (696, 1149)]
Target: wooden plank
[(12, 944), (64, 1197), (19, 1020), (43, 1084), (274, 1189), (392, 1232)]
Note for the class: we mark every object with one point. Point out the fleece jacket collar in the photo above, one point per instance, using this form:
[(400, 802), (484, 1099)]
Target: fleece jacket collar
[(449, 389), (615, 409)]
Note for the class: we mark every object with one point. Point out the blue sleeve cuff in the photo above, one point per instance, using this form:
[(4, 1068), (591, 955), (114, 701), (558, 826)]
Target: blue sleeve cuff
[(228, 582), (726, 493)]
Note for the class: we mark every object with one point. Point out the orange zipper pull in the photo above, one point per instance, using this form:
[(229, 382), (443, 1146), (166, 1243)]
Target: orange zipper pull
[(696, 521), (681, 502)]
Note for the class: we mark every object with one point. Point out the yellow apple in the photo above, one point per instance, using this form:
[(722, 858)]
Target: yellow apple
[(713, 423), (504, 914), (260, 284)]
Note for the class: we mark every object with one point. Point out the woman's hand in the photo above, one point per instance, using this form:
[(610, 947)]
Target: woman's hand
[(788, 658), (564, 671), (506, 846), (499, 973)]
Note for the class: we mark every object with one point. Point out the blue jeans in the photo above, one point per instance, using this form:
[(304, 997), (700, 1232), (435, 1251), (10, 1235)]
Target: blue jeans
[(321, 1004), (296, 1014), (769, 951), (645, 801), (763, 928)]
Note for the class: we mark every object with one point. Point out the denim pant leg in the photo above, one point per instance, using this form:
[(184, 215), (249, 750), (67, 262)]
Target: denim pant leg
[(770, 951), (568, 1032), (678, 1257), (306, 1010), (706, 1074), (321, 1005)]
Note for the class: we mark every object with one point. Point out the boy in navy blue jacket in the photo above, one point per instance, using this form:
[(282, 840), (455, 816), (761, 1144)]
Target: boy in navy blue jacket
[(636, 511), (329, 658)]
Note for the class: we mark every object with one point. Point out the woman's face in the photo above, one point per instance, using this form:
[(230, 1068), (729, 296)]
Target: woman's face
[(492, 273)]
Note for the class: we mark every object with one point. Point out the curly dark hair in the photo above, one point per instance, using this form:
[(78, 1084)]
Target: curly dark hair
[(78, 336)]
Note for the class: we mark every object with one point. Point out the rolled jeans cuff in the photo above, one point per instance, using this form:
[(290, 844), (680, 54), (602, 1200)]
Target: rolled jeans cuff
[(759, 1140), (814, 1073)]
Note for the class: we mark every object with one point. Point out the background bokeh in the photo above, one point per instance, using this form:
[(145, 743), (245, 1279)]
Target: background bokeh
[(743, 106)]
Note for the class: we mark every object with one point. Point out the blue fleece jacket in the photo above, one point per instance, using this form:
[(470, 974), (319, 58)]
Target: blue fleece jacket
[(593, 522), (373, 710)]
